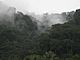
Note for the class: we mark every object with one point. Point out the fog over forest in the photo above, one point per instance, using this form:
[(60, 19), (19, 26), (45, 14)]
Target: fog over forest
[(44, 19), (32, 36)]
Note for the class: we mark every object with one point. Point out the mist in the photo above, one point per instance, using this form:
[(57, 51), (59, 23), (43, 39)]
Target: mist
[(6, 13), (44, 21)]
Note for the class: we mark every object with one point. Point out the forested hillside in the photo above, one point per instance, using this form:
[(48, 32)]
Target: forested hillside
[(21, 38), (16, 36)]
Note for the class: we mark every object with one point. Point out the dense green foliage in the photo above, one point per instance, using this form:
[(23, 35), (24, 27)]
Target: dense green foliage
[(21, 41)]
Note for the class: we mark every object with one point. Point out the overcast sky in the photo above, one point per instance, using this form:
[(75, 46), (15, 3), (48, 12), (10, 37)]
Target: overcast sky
[(42, 6)]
